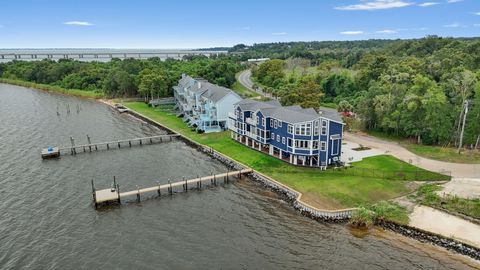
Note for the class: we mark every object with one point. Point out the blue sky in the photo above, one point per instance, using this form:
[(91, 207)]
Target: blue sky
[(194, 24)]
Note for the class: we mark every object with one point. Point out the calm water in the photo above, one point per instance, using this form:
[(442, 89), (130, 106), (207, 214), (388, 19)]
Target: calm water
[(47, 220)]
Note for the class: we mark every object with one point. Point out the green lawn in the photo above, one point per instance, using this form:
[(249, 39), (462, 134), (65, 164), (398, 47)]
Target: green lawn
[(53, 88), (427, 195), (320, 188), (433, 152)]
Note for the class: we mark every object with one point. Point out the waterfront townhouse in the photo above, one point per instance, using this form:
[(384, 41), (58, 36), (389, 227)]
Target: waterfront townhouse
[(204, 105), (296, 135)]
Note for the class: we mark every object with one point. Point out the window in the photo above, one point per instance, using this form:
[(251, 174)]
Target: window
[(280, 123), (278, 138), (283, 140), (273, 136), (304, 129), (276, 123), (315, 128), (315, 145), (271, 122), (263, 122), (324, 127), (290, 129), (290, 142), (302, 144), (323, 146)]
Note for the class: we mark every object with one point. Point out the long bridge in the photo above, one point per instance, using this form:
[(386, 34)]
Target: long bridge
[(99, 54)]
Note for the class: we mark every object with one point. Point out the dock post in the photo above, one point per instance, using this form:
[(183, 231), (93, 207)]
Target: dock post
[(140, 141), (161, 140), (198, 186), (96, 149), (93, 194), (108, 147), (72, 141), (186, 184), (158, 191), (89, 143), (200, 181), (227, 174), (130, 143), (118, 194), (215, 179), (138, 194), (170, 188), (151, 140), (118, 144)]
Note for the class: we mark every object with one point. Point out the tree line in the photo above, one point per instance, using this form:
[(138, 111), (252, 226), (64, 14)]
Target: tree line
[(123, 78), (409, 88)]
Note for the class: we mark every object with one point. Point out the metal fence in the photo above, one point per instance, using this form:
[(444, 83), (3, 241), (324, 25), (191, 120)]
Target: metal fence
[(418, 175)]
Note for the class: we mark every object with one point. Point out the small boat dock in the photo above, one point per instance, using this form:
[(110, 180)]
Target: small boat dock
[(54, 152), (113, 194)]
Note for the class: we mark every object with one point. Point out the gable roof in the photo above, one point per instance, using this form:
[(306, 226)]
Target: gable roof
[(290, 114), (205, 89)]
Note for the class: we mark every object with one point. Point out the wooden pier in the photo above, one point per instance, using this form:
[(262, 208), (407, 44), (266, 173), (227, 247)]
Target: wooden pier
[(53, 152), (113, 194)]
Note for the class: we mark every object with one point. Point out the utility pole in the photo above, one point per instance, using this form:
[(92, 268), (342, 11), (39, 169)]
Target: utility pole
[(463, 125)]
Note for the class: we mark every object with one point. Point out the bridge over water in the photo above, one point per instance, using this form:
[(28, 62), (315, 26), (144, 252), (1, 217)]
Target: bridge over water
[(7, 55)]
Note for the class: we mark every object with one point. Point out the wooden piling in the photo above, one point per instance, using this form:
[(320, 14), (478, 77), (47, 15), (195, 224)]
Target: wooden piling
[(138, 194)]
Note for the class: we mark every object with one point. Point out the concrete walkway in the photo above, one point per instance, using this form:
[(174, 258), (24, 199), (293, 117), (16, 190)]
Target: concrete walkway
[(468, 188), (439, 222), (458, 170)]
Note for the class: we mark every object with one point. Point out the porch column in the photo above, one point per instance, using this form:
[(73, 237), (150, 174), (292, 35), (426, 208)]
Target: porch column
[(259, 147), (291, 158), (295, 159), (246, 141), (232, 135), (303, 160), (270, 150), (311, 161), (281, 154)]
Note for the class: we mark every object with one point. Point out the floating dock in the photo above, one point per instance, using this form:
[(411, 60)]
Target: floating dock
[(113, 194), (54, 152)]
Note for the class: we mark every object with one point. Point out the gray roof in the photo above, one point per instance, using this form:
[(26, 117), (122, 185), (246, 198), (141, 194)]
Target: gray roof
[(331, 114), (208, 90), (290, 114)]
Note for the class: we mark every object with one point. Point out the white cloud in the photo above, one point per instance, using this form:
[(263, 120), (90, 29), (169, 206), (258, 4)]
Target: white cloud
[(79, 23), (376, 4), (279, 33), (386, 31), (453, 1), (453, 25), (351, 33), (476, 13), (428, 4)]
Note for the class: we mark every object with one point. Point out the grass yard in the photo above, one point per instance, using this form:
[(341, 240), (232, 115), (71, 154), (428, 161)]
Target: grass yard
[(427, 195), (322, 189), (448, 154)]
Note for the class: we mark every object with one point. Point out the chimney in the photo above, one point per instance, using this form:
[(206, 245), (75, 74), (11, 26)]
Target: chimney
[(199, 84)]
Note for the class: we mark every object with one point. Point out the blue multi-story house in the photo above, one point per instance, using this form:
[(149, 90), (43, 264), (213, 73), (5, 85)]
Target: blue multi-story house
[(296, 135), (204, 105)]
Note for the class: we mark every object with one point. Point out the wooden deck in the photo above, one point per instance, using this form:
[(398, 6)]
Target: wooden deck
[(114, 195), (74, 149)]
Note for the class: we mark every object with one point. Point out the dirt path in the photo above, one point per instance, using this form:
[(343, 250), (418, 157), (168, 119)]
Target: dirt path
[(458, 170)]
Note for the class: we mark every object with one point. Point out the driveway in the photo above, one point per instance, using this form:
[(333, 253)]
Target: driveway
[(458, 170)]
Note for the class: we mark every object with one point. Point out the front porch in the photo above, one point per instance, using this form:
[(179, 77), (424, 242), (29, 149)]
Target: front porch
[(298, 160)]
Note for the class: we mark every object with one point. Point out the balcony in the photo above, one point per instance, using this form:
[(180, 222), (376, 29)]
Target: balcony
[(251, 121), (232, 115)]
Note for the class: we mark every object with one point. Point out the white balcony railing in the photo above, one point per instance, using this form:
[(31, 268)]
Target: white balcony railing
[(251, 121), (232, 115)]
